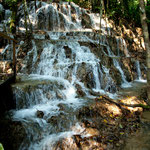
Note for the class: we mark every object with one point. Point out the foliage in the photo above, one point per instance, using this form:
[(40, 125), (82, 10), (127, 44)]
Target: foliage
[(13, 7), (11, 3), (123, 10), (118, 10), (1, 147)]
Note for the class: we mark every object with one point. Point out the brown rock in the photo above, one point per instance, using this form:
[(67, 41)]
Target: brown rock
[(39, 114), (92, 131), (52, 120)]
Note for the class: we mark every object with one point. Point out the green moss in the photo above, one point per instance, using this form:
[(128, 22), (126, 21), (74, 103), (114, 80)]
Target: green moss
[(144, 106)]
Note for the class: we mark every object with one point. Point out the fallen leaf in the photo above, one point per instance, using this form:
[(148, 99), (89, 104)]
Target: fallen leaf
[(111, 115), (121, 133), (100, 97), (105, 121)]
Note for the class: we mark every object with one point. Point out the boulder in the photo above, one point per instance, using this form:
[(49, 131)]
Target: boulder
[(67, 52), (40, 114), (52, 120), (90, 80)]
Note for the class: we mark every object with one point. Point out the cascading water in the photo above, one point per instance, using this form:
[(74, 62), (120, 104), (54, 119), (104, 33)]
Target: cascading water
[(139, 74), (138, 71), (61, 66), (60, 17), (125, 83), (57, 100)]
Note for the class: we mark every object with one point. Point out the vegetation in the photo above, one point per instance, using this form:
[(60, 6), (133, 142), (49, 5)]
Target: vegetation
[(13, 4), (1, 147), (118, 10)]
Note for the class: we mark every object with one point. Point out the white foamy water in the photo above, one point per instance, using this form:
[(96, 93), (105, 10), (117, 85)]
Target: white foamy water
[(62, 17)]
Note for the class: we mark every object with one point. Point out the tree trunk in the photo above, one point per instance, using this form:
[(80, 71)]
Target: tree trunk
[(100, 22), (101, 13), (147, 44)]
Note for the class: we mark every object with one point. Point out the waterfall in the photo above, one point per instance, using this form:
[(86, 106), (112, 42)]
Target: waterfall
[(125, 83), (124, 47), (118, 48), (49, 98), (62, 70), (57, 100), (138, 70), (62, 17), (96, 76), (139, 74), (51, 89)]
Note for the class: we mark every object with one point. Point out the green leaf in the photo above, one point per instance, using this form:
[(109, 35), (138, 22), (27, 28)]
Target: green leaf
[(120, 126), (121, 133), (110, 140), (1, 147)]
